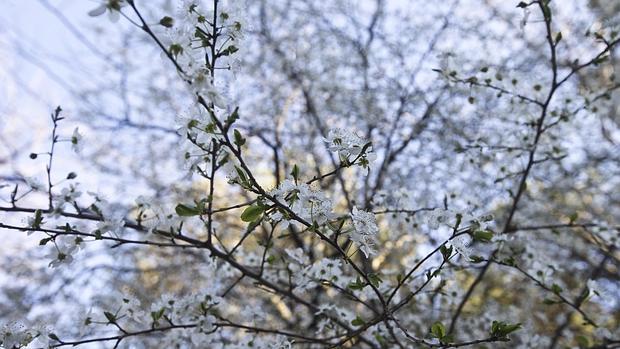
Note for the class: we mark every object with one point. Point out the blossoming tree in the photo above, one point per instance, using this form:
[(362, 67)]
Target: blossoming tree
[(344, 190)]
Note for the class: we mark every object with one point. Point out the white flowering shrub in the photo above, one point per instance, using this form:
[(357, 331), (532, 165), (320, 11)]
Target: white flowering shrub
[(315, 186)]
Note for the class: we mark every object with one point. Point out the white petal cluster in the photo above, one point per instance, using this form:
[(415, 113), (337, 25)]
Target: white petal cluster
[(62, 250), (461, 245), (309, 204), (439, 218), (155, 216), (67, 196), (345, 143), (184, 41), (111, 224), (15, 335), (309, 276), (365, 230)]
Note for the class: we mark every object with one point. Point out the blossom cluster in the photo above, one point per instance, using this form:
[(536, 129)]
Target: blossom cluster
[(365, 230), (309, 204), (349, 146), (308, 276)]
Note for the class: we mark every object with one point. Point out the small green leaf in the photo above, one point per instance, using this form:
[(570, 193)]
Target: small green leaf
[(186, 211), (252, 213), (483, 235), (358, 284), (358, 321), (234, 116), (446, 252), (295, 172), (239, 140), (375, 280), (438, 330), (556, 288), (501, 329), (156, 315), (38, 219), (111, 317), (573, 217), (167, 21)]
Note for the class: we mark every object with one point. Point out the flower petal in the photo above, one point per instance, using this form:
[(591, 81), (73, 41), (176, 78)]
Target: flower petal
[(97, 11)]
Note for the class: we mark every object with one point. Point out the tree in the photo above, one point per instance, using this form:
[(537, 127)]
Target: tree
[(355, 175)]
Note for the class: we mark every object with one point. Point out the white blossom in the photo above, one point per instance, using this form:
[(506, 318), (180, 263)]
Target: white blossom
[(595, 289), (202, 85), (461, 245), (365, 230), (15, 335), (113, 8), (76, 141), (67, 196), (33, 183), (62, 249), (113, 223), (346, 143)]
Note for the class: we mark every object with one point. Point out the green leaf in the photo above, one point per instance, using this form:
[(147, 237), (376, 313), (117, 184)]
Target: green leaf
[(186, 211), (111, 317), (438, 330), (239, 140), (483, 235), (156, 315), (375, 280), (358, 321), (38, 219), (501, 329), (252, 213), (295, 172), (234, 116), (573, 217), (446, 252), (358, 284), (556, 288), (54, 337), (167, 21), (548, 301)]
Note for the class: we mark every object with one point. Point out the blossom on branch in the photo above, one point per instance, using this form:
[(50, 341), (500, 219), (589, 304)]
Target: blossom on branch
[(113, 7), (365, 231)]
